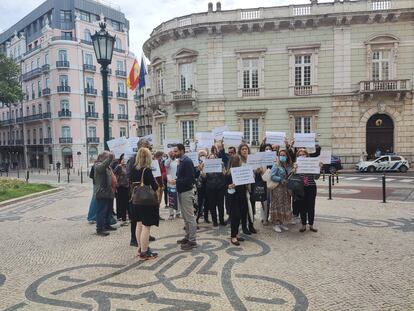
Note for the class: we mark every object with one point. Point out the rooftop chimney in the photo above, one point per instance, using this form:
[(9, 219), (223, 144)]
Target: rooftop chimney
[(210, 7), (218, 7)]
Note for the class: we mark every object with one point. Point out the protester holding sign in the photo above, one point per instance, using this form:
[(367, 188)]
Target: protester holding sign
[(201, 188), (171, 165), (307, 203), (281, 199), (215, 191), (236, 201)]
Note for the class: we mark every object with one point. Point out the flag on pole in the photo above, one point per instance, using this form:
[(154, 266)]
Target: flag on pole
[(142, 73), (133, 77)]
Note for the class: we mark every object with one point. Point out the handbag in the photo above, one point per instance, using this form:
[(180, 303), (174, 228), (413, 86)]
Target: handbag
[(269, 182), (144, 195), (297, 186)]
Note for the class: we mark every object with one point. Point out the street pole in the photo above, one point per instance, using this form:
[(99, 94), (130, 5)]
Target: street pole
[(104, 72)]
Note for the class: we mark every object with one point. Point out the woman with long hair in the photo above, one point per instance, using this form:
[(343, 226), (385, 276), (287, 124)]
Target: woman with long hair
[(146, 216), (281, 199), (236, 201)]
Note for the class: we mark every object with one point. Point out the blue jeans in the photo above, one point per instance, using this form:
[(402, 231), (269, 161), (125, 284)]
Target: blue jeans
[(103, 212), (92, 207)]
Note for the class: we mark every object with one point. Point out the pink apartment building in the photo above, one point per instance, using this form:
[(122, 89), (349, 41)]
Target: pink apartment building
[(60, 118)]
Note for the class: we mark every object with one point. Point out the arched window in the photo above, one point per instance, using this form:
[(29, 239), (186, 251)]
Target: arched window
[(87, 35)]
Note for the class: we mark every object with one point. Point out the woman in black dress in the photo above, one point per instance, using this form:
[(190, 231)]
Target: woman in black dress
[(146, 216)]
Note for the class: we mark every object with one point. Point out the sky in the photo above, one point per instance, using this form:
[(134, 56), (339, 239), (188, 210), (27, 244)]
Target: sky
[(143, 18)]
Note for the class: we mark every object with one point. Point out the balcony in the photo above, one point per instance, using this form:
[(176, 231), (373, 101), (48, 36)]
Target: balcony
[(188, 95), (120, 73), (93, 140), (119, 50), (19, 141), (122, 116), (19, 120), (110, 116), (45, 68), (32, 74), (46, 115), (110, 93), (155, 101), (32, 50), (65, 114), (33, 117), (63, 89), (303, 90), (64, 38), (90, 91), (65, 140), (92, 115), (47, 141), (384, 86), (6, 122), (40, 141), (62, 64), (88, 42), (46, 92), (88, 67), (34, 141), (121, 95)]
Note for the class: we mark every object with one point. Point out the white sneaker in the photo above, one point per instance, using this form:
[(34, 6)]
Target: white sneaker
[(293, 221), (277, 228), (283, 227)]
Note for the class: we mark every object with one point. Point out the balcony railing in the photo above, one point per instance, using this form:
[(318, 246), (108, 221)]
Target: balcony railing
[(65, 140), (65, 114), (250, 92), (384, 86), (45, 68), (62, 64), (90, 91), (19, 120), (379, 5), (88, 42), (119, 50), (32, 50), (121, 95), (63, 89), (46, 91), (93, 140), (188, 95), (46, 115), (88, 67), (120, 73), (303, 90), (33, 117), (92, 115), (40, 141), (110, 93), (122, 116), (110, 116), (47, 141), (19, 141), (32, 74), (6, 122), (65, 38)]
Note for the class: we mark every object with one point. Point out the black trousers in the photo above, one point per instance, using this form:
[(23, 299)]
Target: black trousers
[(122, 197), (307, 206), (216, 202), (295, 208), (202, 203), (165, 193), (133, 225), (235, 209)]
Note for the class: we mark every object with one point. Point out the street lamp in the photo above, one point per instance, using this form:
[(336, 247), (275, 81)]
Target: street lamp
[(103, 44)]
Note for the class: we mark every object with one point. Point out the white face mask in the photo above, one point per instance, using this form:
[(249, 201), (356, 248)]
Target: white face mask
[(302, 156)]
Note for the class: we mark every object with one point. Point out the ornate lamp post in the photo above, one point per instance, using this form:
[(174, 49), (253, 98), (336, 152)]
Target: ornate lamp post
[(103, 44)]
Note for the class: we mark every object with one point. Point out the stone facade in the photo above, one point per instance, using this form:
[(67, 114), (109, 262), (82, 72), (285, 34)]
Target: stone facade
[(295, 68)]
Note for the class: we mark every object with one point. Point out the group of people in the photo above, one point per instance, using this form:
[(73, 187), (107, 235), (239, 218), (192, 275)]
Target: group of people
[(192, 194)]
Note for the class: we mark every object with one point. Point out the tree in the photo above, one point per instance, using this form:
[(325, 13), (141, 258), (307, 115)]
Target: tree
[(10, 89)]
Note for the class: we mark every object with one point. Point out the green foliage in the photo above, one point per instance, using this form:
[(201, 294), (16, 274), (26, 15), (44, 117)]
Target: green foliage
[(10, 89), (14, 188)]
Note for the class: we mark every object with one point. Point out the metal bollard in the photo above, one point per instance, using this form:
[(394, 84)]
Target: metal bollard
[(59, 177), (68, 176), (330, 187), (27, 176), (337, 178), (18, 173), (384, 191), (323, 175), (81, 174)]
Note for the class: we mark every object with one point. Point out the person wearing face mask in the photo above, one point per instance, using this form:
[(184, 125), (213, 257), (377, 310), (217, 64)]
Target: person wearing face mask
[(281, 199), (307, 203), (201, 189), (266, 205)]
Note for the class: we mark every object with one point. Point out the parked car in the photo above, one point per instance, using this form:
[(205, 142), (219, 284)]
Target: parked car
[(335, 165), (393, 163)]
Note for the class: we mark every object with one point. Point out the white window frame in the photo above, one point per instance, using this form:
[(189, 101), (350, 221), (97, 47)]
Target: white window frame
[(187, 130), (159, 74), (122, 109), (303, 64), (89, 83), (91, 107), (122, 132), (185, 76), (251, 54), (297, 113), (62, 55), (92, 131), (253, 131), (305, 124), (66, 131), (88, 59), (380, 62)]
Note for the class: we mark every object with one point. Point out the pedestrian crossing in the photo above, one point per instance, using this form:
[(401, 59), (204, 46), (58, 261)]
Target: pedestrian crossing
[(379, 179)]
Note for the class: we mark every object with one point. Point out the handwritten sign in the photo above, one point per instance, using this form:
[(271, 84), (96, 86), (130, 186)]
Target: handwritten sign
[(218, 132), (204, 140), (133, 143), (194, 157), (169, 144), (308, 166), (118, 146), (155, 167), (269, 158), (213, 166), (255, 160), (305, 140), (242, 175), (276, 138), (325, 156), (232, 139)]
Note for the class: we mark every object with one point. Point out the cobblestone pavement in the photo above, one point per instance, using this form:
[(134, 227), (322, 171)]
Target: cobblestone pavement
[(362, 258)]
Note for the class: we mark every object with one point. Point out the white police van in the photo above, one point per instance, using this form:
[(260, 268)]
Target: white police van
[(384, 163)]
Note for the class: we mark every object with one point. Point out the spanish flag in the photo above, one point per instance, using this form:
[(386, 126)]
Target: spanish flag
[(133, 78)]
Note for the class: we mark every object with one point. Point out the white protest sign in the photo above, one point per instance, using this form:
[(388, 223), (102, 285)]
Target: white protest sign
[(308, 166), (133, 143), (204, 140), (242, 175), (194, 157), (305, 140), (118, 146), (151, 139), (155, 167), (269, 158), (218, 132), (276, 138), (169, 144), (255, 160), (213, 166), (232, 139), (325, 156)]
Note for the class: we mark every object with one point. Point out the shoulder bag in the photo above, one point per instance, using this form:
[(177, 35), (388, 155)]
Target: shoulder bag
[(269, 182), (144, 195), (297, 186)]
